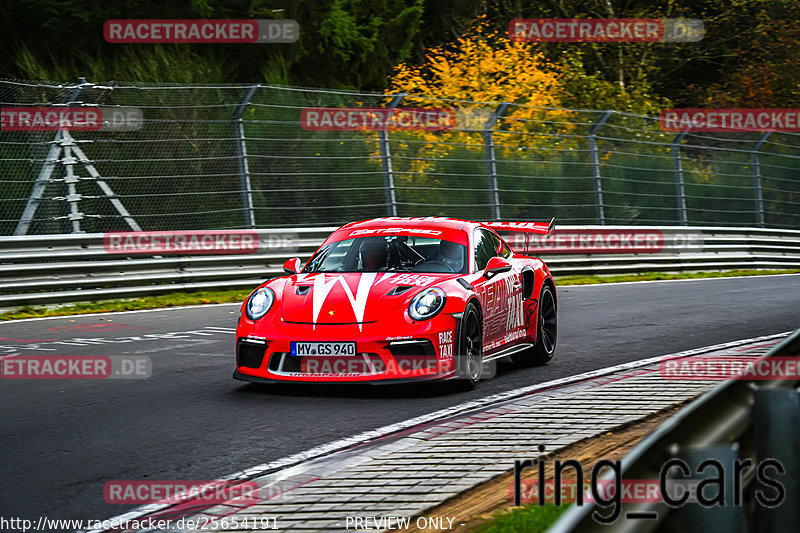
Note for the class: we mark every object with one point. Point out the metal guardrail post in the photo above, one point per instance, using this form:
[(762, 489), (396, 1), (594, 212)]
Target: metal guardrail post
[(777, 433), (716, 518), (683, 219), (386, 162), (46, 171), (595, 162), (756, 170), (241, 151), (491, 161)]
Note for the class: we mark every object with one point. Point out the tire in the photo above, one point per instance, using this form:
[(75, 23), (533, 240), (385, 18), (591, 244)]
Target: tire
[(546, 333), (469, 357)]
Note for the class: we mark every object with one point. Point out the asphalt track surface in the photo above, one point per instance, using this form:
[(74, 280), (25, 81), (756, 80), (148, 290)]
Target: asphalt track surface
[(61, 440)]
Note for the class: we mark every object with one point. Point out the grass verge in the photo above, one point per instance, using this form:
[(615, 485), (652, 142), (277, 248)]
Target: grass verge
[(178, 299), (531, 519)]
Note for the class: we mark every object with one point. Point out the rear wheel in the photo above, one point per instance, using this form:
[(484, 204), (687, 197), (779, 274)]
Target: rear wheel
[(546, 333), (469, 358)]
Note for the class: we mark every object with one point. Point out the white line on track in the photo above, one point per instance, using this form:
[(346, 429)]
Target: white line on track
[(366, 436)]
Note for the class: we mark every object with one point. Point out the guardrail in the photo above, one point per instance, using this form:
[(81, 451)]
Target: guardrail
[(45, 269), (740, 420)]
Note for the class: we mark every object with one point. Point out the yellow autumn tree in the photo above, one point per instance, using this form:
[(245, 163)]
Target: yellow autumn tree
[(485, 68), (473, 75), (489, 69)]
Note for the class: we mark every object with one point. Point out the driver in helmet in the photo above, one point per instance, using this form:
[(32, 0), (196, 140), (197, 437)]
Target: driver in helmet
[(452, 254), (374, 254)]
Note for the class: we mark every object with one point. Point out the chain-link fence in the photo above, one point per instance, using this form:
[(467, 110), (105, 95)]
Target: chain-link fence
[(233, 156)]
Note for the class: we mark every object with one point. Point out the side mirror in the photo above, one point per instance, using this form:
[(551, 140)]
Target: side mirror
[(496, 266), (292, 266)]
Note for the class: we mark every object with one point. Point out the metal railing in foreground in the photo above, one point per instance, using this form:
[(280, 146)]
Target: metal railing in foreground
[(44, 269), (748, 422)]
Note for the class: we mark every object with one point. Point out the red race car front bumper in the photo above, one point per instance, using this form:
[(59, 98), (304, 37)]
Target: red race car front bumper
[(421, 351)]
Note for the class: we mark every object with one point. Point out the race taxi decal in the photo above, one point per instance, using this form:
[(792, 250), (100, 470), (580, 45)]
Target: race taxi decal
[(446, 346), (503, 310)]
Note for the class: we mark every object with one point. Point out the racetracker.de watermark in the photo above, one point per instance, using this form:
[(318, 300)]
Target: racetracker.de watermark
[(409, 366), (730, 120), (606, 30), (201, 31), (377, 119), (75, 367), (84, 118), (195, 242), (633, 491), (178, 491), (605, 241), (722, 368)]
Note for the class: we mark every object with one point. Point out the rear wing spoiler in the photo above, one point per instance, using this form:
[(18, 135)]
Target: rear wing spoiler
[(541, 228)]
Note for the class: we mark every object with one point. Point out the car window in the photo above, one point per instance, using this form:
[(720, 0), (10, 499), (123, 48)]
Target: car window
[(332, 256), (395, 253), (504, 250), (486, 247)]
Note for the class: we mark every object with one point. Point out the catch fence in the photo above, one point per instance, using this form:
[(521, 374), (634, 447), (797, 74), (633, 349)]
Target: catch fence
[(237, 156)]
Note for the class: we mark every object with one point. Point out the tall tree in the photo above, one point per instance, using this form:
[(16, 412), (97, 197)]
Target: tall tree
[(344, 43)]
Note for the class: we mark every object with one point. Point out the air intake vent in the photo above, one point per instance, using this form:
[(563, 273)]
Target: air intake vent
[(249, 354), (400, 289), (302, 290), (411, 348)]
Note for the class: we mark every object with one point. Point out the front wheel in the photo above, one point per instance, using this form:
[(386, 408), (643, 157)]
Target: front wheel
[(546, 333), (469, 358)]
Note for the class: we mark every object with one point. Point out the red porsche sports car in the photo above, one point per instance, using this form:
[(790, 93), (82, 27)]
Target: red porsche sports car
[(398, 299)]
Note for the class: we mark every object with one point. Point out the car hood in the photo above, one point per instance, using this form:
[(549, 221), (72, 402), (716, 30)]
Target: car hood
[(350, 297)]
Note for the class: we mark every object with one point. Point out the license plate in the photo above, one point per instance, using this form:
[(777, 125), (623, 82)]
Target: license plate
[(304, 349)]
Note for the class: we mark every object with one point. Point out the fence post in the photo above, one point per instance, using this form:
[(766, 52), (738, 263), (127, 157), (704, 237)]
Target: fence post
[(756, 170), (491, 162), (46, 171), (595, 163), (386, 161), (244, 168), (683, 219)]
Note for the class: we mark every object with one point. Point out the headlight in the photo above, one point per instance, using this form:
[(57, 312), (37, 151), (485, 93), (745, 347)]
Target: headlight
[(426, 304), (259, 303)]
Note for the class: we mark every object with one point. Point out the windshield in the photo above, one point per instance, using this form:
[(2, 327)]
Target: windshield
[(395, 253)]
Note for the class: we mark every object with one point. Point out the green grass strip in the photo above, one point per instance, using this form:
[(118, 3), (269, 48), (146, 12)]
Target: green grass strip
[(178, 299), (529, 519)]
